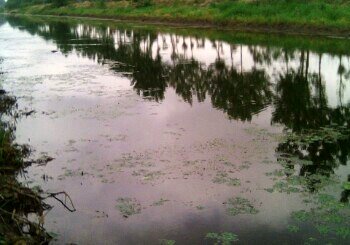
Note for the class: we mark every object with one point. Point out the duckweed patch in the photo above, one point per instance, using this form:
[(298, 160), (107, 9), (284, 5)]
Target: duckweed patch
[(293, 228), (160, 202), (72, 173), (309, 159), (224, 238), (128, 206), (346, 186), (244, 165), (283, 187), (223, 178), (329, 134), (150, 176), (166, 242), (288, 183), (199, 207), (239, 205), (328, 217)]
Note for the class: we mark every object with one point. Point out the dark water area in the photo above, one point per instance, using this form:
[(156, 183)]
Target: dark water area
[(191, 136)]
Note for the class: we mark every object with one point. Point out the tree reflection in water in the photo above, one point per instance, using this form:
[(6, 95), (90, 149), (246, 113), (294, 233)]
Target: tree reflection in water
[(240, 80)]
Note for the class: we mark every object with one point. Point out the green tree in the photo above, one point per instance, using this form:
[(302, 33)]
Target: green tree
[(12, 4), (60, 3)]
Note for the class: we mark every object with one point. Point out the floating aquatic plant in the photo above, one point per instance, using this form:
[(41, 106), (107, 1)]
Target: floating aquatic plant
[(328, 216), (224, 238), (160, 202), (239, 205), (166, 242), (346, 186), (128, 206), (223, 178)]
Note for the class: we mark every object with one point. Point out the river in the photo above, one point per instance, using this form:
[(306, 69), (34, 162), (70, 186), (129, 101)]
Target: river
[(163, 135)]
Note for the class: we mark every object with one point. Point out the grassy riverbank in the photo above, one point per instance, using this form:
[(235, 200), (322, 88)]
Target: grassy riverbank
[(280, 15), (336, 46)]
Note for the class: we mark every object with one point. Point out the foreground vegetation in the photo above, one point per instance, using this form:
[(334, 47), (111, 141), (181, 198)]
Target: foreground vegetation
[(16, 200), (283, 15)]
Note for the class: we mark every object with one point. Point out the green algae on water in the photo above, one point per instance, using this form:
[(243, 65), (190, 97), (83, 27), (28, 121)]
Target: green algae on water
[(224, 238), (239, 205), (128, 206)]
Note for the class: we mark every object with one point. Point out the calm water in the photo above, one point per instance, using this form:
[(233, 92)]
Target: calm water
[(186, 125)]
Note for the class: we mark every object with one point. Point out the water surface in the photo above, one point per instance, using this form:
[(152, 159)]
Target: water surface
[(180, 123)]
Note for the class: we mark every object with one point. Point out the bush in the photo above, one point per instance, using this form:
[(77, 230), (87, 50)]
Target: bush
[(59, 3), (142, 3), (101, 3), (12, 4)]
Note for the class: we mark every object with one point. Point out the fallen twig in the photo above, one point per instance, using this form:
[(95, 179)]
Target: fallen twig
[(66, 196)]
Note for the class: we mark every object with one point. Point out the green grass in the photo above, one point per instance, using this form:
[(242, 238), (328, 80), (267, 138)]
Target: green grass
[(311, 14)]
